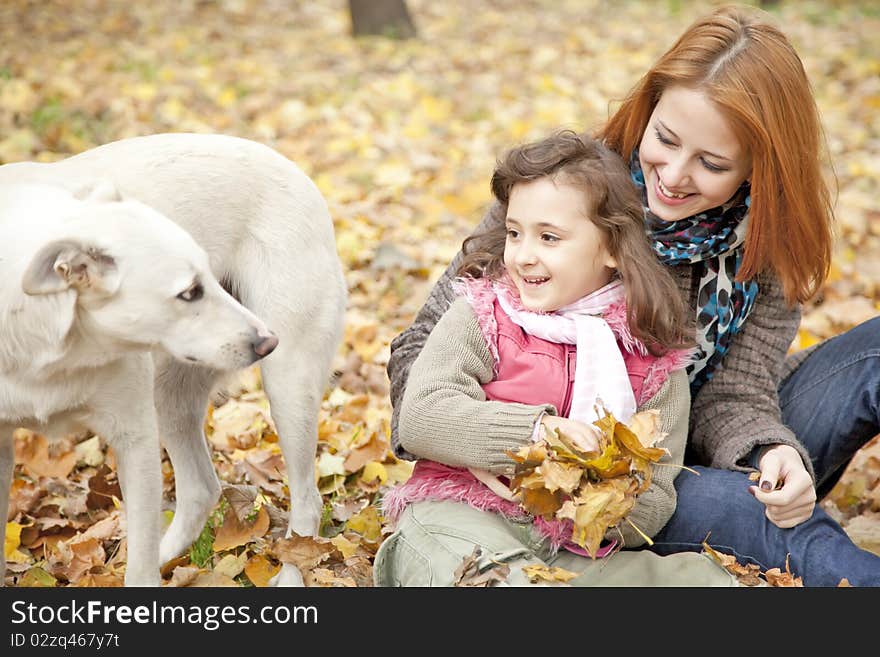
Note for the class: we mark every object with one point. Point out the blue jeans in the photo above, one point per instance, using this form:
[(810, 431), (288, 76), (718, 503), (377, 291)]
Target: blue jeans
[(832, 403)]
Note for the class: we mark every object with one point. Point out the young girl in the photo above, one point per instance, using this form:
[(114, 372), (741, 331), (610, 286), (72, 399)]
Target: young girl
[(723, 138), (561, 307)]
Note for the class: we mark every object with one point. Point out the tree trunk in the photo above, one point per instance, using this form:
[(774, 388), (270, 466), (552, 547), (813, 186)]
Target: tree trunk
[(388, 18)]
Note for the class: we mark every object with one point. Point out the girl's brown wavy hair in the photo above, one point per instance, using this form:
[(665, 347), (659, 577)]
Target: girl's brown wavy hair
[(656, 311), (752, 74)]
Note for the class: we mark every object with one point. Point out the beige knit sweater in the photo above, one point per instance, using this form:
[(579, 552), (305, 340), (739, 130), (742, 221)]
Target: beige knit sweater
[(445, 417), (731, 414)]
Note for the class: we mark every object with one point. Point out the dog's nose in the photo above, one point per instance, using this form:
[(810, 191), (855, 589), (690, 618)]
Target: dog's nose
[(265, 344)]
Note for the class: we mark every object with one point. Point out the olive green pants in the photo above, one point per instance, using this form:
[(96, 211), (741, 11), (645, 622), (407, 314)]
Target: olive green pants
[(433, 538)]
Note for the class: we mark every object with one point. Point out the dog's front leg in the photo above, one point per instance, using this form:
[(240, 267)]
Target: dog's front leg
[(7, 466), (125, 416)]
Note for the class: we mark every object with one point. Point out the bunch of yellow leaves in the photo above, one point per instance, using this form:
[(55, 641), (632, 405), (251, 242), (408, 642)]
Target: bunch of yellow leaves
[(596, 490)]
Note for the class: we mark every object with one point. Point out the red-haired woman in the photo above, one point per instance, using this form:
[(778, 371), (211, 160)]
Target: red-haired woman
[(724, 141)]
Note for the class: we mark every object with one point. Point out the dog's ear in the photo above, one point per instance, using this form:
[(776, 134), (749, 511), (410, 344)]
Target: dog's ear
[(63, 264), (101, 190)]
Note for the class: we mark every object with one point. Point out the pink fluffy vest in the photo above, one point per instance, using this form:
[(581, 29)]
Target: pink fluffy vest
[(528, 370)]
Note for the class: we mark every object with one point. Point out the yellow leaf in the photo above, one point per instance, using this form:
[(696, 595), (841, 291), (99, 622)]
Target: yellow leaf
[(260, 570), (366, 523), (13, 540), (37, 577), (541, 572), (436, 109), (399, 472), (372, 471), (345, 546)]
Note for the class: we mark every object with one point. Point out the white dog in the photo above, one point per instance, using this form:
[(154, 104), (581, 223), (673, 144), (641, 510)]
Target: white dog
[(111, 310)]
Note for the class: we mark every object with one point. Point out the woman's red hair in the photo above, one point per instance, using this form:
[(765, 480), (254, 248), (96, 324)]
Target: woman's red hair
[(751, 72)]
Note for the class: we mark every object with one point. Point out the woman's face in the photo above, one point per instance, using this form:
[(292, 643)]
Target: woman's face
[(691, 158)]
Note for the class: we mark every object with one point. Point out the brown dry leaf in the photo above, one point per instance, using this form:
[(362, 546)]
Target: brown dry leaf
[(543, 573), (775, 577), (105, 529), (646, 426), (101, 580), (213, 580), (720, 558), (74, 558), (748, 574), (324, 577), (360, 569), (265, 470), (231, 565), (540, 501), (233, 533), (238, 424), (471, 574), (560, 476), (355, 409), (184, 576), (40, 458), (23, 497), (259, 570), (242, 500), (374, 449), (104, 489), (304, 552), (170, 566)]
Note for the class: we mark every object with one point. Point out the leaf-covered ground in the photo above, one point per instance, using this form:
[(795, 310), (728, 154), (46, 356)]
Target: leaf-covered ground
[(400, 136)]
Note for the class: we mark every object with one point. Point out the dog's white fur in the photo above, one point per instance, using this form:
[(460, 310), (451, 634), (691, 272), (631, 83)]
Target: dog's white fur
[(94, 250)]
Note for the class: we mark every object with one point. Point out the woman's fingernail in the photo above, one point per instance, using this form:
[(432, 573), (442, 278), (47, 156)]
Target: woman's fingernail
[(766, 485)]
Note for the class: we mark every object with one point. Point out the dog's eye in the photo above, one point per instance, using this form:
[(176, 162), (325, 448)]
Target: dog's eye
[(193, 293)]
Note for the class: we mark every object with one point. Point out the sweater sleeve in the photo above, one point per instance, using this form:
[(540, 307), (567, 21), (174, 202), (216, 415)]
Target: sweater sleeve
[(738, 409), (406, 346), (655, 506), (444, 414)]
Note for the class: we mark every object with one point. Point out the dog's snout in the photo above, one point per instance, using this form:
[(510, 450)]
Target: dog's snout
[(265, 344)]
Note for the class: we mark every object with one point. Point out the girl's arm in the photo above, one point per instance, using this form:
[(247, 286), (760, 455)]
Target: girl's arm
[(655, 506), (444, 415), (738, 409), (406, 346)]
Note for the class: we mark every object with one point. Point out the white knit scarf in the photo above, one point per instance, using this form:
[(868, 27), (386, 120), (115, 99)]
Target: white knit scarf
[(600, 373)]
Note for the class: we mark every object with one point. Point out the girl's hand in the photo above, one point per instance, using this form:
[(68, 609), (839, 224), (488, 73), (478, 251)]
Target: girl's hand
[(584, 436), (793, 501)]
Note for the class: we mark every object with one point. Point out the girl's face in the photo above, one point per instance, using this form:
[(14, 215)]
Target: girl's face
[(553, 252), (690, 157)]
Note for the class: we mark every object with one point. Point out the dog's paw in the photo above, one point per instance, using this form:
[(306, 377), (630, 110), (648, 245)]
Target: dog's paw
[(305, 514), (288, 576)]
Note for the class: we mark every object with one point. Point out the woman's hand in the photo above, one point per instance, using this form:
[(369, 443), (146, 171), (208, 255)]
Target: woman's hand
[(584, 436), (785, 487)]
